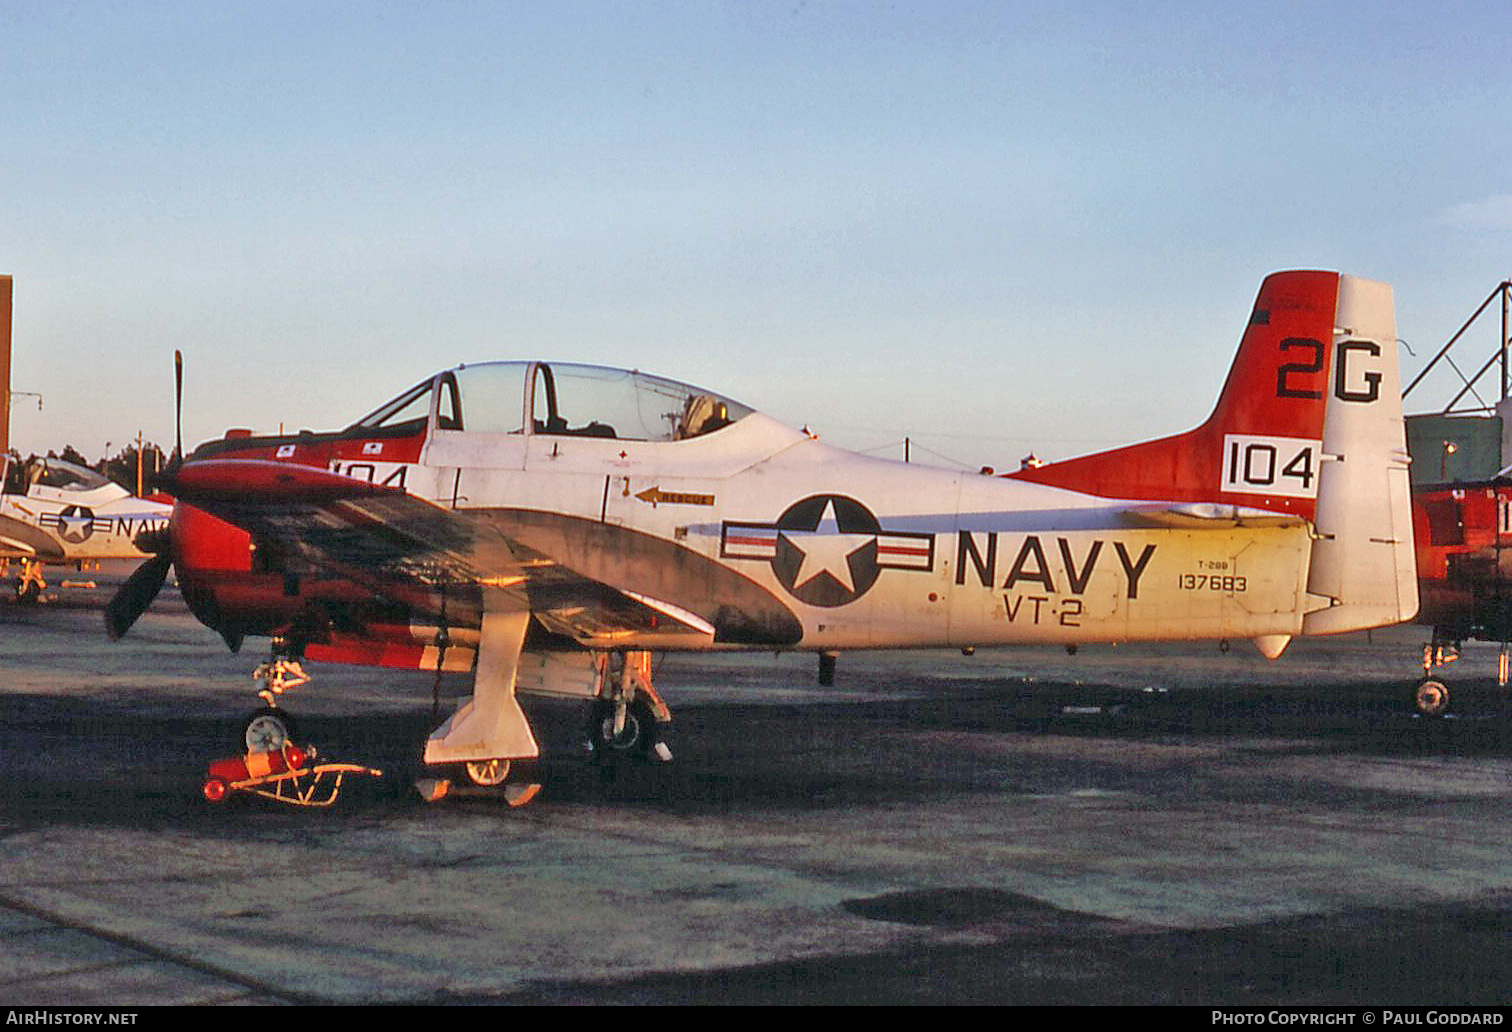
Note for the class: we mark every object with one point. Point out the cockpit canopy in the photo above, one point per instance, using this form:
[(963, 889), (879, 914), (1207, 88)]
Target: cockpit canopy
[(68, 476), (559, 398)]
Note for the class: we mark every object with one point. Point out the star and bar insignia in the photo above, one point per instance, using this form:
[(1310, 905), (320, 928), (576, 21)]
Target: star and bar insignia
[(827, 550)]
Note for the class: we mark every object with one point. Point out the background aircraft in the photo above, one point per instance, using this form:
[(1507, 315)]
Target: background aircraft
[(1464, 535), (55, 511), (1462, 511), (52, 511), (546, 526)]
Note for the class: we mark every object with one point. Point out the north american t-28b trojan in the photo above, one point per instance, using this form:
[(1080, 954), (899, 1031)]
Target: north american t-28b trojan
[(54, 511), (547, 526)]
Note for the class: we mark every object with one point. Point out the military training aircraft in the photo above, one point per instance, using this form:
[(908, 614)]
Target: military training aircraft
[(547, 526), (1464, 546), (53, 511)]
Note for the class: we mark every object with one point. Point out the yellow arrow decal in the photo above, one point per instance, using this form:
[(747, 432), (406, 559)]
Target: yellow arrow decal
[(655, 495)]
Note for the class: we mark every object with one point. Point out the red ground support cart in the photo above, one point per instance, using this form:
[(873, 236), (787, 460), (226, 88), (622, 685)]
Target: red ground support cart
[(286, 775)]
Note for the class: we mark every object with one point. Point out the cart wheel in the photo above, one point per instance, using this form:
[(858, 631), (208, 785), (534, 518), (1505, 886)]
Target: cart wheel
[(487, 773), (216, 790), (268, 730)]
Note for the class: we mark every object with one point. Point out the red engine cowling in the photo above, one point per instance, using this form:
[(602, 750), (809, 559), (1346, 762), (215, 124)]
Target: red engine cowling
[(235, 590)]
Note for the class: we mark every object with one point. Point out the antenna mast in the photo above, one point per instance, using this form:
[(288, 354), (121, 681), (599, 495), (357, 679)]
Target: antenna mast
[(6, 284)]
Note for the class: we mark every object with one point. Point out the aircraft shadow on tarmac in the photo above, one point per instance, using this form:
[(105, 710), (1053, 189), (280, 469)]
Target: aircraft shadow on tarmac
[(89, 759)]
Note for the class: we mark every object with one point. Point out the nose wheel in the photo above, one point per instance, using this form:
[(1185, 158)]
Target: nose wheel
[(268, 730), (271, 728), (1431, 698)]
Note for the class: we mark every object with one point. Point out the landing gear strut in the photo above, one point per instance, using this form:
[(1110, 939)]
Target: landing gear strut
[(624, 721), (1431, 697), (30, 585), (489, 731), (268, 729)]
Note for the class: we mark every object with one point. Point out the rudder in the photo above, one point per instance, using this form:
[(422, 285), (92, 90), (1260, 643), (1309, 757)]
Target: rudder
[(1362, 559)]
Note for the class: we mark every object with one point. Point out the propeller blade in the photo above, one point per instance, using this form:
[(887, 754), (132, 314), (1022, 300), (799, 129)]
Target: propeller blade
[(153, 542), (133, 598)]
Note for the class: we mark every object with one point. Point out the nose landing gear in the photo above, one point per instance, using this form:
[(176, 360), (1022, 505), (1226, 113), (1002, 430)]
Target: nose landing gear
[(269, 728), (1432, 697)]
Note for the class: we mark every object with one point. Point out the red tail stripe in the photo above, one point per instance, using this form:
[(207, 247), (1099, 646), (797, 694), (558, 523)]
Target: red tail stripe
[(1277, 387)]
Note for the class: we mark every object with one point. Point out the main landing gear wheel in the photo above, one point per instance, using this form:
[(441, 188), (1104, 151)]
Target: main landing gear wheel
[(1431, 698), (636, 739), (267, 730), (484, 774), (487, 773)]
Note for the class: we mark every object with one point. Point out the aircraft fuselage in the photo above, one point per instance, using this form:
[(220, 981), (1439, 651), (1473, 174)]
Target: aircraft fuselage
[(829, 550)]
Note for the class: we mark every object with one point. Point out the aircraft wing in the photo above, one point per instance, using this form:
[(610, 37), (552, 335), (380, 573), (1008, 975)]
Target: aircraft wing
[(440, 562), (21, 540)]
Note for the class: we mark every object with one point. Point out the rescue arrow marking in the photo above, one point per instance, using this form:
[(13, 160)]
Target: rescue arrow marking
[(655, 495)]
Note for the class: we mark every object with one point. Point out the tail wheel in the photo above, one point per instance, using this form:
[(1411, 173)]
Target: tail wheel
[(268, 730), (1431, 698), (487, 773)]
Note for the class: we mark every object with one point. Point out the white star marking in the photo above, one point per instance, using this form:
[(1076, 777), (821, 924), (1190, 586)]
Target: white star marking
[(826, 550), (75, 527)]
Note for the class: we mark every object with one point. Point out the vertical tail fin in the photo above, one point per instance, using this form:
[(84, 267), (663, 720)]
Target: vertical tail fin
[(1309, 423), (1261, 447)]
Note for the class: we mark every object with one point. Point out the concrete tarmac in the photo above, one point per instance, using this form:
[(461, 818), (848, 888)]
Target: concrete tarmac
[(1163, 825)]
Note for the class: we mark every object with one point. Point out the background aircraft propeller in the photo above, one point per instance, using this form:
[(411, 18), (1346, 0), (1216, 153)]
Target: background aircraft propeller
[(133, 598), (178, 410)]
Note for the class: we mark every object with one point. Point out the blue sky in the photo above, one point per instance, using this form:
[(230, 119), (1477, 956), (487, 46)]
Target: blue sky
[(991, 227)]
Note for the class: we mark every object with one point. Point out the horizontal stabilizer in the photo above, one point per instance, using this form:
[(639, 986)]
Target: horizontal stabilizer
[(1207, 516)]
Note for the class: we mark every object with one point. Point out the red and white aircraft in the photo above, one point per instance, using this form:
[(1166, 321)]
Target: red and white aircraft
[(546, 526)]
